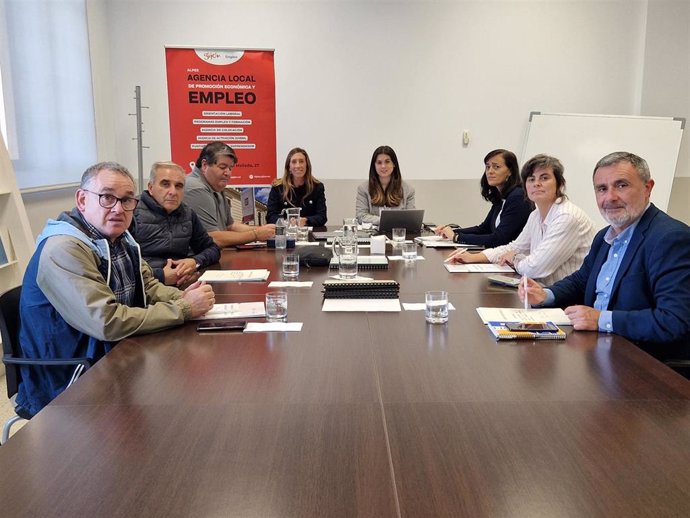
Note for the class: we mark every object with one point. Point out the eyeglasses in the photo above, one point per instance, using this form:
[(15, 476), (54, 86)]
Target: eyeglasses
[(108, 201)]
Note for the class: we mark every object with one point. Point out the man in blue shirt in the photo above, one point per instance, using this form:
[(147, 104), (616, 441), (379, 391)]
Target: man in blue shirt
[(635, 282)]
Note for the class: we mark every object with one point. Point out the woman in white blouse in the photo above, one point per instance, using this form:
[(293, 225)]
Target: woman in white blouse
[(557, 236)]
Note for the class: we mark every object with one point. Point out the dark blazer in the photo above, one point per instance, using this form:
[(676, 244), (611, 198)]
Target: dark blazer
[(650, 299), (313, 206), (516, 210)]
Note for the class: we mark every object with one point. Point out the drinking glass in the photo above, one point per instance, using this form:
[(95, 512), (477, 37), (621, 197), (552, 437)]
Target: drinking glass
[(303, 233), (347, 265), (398, 235), (436, 307), (409, 251), (276, 306), (291, 266)]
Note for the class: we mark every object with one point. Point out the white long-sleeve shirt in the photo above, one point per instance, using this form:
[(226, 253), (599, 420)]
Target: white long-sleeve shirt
[(551, 249)]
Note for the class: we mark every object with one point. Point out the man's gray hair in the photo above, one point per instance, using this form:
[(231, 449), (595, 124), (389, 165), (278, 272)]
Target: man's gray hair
[(164, 165), (93, 171), (639, 163)]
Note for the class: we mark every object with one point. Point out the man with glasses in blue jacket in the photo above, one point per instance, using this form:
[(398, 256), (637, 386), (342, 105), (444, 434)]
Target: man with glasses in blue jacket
[(86, 287)]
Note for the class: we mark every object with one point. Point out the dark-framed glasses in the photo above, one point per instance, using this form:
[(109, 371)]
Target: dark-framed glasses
[(108, 201)]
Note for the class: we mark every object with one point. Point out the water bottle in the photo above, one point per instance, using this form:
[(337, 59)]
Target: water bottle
[(281, 239)]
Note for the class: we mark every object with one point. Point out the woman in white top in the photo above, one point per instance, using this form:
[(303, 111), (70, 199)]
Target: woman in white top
[(385, 188), (557, 236)]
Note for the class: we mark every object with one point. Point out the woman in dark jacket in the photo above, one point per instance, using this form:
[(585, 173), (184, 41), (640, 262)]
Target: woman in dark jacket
[(509, 207), (298, 188)]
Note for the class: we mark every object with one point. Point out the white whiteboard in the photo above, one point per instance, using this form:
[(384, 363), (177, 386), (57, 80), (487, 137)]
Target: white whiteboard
[(580, 140)]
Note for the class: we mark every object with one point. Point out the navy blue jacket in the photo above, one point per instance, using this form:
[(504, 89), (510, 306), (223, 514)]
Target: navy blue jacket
[(650, 299), (177, 235), (516, 210)]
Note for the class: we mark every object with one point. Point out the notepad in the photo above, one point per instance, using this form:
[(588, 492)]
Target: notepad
[(235, 275), (235, 310), (555, 315)]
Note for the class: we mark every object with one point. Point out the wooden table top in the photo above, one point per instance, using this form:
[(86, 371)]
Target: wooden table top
[(360, 414)]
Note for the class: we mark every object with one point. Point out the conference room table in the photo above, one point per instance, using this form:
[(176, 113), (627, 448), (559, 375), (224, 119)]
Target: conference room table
[(359, 414)]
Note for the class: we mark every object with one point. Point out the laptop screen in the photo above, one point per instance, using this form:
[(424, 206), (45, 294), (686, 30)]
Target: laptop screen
[(409, 219)]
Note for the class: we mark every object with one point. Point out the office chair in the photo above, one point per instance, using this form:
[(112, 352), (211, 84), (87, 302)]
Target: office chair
[(12, 355), (682, 367)]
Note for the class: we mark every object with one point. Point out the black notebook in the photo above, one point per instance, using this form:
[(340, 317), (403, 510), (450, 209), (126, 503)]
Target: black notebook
[(366, 262), (356, 289)]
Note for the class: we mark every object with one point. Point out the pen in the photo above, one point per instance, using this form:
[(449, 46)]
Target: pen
[(524, 286), (457, 252)]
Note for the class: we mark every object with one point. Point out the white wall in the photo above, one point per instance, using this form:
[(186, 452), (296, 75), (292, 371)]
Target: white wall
[(666, 85), (352, 75)]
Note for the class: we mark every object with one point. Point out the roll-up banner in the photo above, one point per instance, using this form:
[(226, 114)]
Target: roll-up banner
[(226, 95)]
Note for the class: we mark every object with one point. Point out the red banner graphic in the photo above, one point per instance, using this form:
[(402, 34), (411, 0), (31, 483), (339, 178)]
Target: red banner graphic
[(226, 95)]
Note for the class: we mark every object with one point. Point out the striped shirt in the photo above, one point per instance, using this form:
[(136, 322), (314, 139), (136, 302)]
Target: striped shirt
[(551, 249)]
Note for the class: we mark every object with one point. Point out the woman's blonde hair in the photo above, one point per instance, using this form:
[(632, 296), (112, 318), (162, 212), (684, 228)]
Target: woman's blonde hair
[(287, 182)]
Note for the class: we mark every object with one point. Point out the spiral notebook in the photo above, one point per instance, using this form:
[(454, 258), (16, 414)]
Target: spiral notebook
[(366, 262), (501, 332), (364, 289)]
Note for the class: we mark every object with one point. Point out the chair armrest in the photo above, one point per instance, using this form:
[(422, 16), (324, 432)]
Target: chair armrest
[(86, 362)]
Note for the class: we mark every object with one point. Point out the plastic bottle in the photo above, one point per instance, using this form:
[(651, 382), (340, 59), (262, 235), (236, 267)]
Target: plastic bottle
[(281, 238)]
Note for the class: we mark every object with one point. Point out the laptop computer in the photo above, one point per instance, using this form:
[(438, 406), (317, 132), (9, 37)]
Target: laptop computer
[(409, 219)]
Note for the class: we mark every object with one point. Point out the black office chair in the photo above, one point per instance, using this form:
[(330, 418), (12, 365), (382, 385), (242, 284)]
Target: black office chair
[(682, 367), (12, 355)]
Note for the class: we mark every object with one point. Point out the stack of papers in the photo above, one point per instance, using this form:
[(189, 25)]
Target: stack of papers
[(235, 275)]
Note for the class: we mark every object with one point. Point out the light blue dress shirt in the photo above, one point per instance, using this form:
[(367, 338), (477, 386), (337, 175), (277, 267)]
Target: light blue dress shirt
[(607, 275)]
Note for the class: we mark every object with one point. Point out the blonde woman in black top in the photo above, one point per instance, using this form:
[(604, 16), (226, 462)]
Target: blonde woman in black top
[(298, 188)]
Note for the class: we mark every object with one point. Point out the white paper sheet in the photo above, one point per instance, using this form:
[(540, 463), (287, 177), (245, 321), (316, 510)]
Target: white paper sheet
[(401, 258), (477, 268), (288, 284), (420, 306), (361, 305), (262, 327)]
